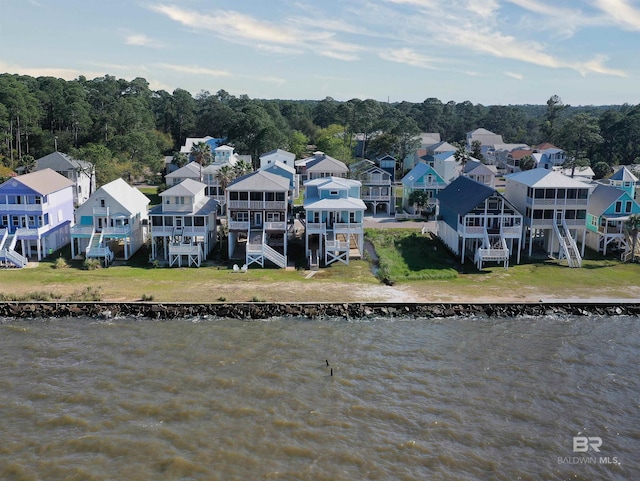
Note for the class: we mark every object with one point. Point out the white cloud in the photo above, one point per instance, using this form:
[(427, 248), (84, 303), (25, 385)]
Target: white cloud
[(407, 56), (141, 40), (195, 70), (514, 75), (624, 14)]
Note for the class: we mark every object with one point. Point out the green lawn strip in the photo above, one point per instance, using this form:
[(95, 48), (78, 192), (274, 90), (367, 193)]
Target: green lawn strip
[(407, 255)]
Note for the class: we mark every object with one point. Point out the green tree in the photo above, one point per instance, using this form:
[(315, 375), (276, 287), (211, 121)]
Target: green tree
[(419, 198), (201, 153), (242, 167), (602, 170), (298, 143), (180, 159), (225, 176), (551, 118), (580, 136), (476, 150), (527, 163), (462, 156), (28, 163)]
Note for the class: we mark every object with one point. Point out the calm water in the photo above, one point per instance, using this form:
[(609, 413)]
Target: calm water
[(452, 399)]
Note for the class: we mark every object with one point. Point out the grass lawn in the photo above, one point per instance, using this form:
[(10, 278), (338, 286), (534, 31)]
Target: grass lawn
[(420, 268), (152, 193)]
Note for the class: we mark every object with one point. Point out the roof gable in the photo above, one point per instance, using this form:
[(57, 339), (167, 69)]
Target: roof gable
[(186, 187), (418, 172), (260, 181), (61, 162), (43, 182)]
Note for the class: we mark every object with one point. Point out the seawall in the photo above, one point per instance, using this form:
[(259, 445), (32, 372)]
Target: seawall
[(257, 310)]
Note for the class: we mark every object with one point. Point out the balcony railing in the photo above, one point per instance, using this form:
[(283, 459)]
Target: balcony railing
[(557, 202), (184, 249), (346, 227), (369, 181), (82, 230), (279, 226), (21, 207), (366, 197), (471, 230), (257, 204), (316, 227), (511, 231), (123, 231), (162, 230), (31, 231), (102, 211), (239, 225)]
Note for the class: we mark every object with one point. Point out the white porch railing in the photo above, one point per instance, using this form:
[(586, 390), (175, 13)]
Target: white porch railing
[(21, 207), (257, 204), (31, 231), (12, 256), (348, 227), (161, 231), (238, 225), (316, 227), (124, 231), (81, 230), (184, 249), (279, 226), (532, 202)]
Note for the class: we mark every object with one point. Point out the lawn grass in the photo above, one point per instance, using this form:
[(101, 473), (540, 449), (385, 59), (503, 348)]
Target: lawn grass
[(152, 194), (407, 255), (420, 265)]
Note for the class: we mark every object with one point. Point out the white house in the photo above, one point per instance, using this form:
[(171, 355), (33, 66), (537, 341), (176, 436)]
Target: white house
[(112, 223), (257, 207), (192, 170), (555, 211), (377, 188), (80, 172), (278, 155), (319, 166), (334, 215), (183, 226)]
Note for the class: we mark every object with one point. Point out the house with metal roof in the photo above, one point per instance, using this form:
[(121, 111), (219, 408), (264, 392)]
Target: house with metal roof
[(475, 220), (80, 172), (334, 213), (555, 211), (486, 138), (284, 170), (624, 179), (608, 209), (36, 213), (485, 174), (422, 178), (320, 165), (112, 224), (192, 170), (183, 226), (257, 212), (278, 155), (377, 188)]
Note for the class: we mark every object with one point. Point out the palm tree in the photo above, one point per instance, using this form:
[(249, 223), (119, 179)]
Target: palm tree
[(242, 167), (28, 163), (180, 159), (201, 153), (224, 176), (633, 225), (462, 156)]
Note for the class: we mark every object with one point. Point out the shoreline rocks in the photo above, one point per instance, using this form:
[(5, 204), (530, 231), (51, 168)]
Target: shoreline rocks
[(309, 310)]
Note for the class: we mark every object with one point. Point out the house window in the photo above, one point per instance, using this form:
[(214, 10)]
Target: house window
[(256, 196), (269, 196), (233, 196), (38, 199), (46, 219), (242, 216), (280, 196), (352, 217), (581, 214), (583, 193), (618, 208), (15, 220), (5, 220), (627, 207), (167, 201), (273, 216), (493, 204), (561, 193), (188, 221), (333, 193), (32, 221), (538, 193), (198, 221)]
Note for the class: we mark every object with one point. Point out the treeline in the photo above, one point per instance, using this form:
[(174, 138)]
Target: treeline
[(124, 127)]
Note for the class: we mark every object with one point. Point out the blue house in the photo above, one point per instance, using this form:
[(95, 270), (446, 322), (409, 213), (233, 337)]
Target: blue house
[(421, 178), (608, 209), (476, 220), (36, 213), (334, 215), (625, 180)]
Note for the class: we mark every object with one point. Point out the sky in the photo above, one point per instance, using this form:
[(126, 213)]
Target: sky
[(492, 52)]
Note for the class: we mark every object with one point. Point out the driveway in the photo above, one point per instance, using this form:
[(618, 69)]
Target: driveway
[(384, 221)]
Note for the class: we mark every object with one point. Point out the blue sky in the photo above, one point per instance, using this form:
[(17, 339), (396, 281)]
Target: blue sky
[(486, 51)]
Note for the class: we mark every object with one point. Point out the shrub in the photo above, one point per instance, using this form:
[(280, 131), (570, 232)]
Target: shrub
[(256, 299), (89, 293), (92, 264), (60, 263), (222, 298), (147, 297)]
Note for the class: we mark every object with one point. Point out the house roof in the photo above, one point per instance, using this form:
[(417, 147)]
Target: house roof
[(623, 175), (223, 148), (441, 147), (191, 170), (44, 182), (486, 137), (331, 183), (585, 171), (350, 203), (475, 167), (463, 195), (259, 181), (128, 197), (279, 153), (61, 162), (602, 197), (279, 165), (419, 171), (186, 187), (190, 141), (325, 163), (429, 138), (546, 146), (519, 154), (544, 178)]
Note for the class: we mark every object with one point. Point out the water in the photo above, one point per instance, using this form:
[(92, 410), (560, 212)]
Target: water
[(451, 399)]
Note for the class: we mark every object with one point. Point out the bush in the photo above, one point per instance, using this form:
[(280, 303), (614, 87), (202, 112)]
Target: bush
[(60, 263), (147, 297), (92, 264), (89, 293), (257, 299)]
